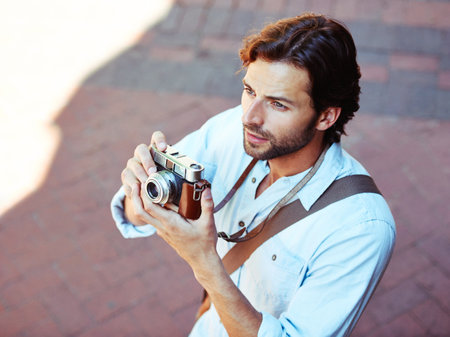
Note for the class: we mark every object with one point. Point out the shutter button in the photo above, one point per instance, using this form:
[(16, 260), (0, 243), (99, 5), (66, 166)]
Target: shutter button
[(274, 257)]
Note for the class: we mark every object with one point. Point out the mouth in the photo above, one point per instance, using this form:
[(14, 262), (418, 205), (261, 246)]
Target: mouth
[(253, 138)]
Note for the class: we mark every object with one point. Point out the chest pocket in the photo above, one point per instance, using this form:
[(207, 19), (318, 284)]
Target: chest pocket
[(270, 277)]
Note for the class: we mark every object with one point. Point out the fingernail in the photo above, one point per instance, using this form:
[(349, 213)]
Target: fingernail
[(162, 145), (152, 170)]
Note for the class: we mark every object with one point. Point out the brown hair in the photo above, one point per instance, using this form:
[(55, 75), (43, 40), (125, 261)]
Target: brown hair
[(324, 48)]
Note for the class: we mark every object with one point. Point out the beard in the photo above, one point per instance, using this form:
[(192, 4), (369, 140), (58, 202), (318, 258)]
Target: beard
[(289, 142)]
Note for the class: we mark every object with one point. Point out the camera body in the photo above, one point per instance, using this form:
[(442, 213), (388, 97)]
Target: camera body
[(178, 181)]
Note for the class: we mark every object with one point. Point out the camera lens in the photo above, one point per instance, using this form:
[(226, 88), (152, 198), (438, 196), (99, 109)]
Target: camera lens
[(163, 187), (152, 190)]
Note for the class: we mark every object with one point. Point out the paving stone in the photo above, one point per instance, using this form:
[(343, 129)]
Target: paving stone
[(67, 312), (121, 325), (65, 269), (432, 318), (217, 21), (437, 284), (397, 301)]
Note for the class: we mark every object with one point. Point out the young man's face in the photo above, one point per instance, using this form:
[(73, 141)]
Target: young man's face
[(278, 116)]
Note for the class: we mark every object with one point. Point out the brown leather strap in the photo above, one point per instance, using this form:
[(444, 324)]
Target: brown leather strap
[(236, 186), (294, 212), (288, 215)]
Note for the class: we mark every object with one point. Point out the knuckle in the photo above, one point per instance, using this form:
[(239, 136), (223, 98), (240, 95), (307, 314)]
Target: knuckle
[(139, 149)]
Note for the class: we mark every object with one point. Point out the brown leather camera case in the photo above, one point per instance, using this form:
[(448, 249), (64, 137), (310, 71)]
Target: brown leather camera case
[(189, 207)]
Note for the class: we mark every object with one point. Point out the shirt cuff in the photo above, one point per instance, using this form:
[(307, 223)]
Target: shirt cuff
[(270, 326), (126, 228)]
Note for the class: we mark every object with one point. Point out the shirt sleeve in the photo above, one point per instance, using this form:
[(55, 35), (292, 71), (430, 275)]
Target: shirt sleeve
[(126, 228), (339, 280)]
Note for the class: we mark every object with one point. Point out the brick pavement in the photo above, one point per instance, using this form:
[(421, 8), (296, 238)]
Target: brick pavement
[(65, 271)]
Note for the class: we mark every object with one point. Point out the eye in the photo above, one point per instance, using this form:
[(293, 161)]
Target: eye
[(249, 91), (279, 106)]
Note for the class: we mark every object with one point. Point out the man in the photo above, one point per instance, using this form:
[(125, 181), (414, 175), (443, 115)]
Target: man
[(315, 277)]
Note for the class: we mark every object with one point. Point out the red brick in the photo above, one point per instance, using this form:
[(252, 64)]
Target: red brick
[(65, 309), (365, 325), (436, 283), (358, 10), (185, 318), (44, 253), (321, 6), (296, 7), (396, 301), (416, 13), (428, 14), (31, 285), (8, 271), (403, 325), (414, 62), (47, 328), (118, 326), (374, 73), (221, 44), (173, 54), (98, 248), (273, 7), (14, 321), (404, 265), (153, 320), (437, 248), (247, 5), (444, 80), (117, 271), (178, 292), (118, 298), (433, 318), (80, 276)]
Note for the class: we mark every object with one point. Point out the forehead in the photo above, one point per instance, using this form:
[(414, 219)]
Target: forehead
[(277, 78)]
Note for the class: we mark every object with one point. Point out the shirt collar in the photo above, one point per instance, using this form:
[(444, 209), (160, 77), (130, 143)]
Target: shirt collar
[(324, 177)]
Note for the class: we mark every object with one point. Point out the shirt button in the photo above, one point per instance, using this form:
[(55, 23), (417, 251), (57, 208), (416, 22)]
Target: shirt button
[(253, 180), (274, 257), (242, 223)]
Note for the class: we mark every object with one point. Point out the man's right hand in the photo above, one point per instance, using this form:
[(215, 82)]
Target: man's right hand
[(138, 169)]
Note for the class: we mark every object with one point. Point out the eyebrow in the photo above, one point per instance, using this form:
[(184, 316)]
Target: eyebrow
[(274, 98)]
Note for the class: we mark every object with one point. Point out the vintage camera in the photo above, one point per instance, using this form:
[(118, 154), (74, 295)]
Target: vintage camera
[(178, 181)]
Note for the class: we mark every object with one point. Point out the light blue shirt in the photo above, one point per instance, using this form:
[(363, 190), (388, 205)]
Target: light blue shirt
[(315, 277)]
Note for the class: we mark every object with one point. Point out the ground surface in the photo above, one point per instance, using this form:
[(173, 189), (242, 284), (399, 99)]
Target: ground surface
[(65, 270)]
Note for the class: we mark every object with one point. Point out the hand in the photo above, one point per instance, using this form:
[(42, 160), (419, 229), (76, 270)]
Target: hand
[(194, 240), (141, 164)]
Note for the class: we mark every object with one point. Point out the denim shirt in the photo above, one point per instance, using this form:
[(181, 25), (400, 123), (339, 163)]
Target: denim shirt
[(315, 277)]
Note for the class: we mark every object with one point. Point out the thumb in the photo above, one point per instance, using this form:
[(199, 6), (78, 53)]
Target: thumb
[(207, 204)]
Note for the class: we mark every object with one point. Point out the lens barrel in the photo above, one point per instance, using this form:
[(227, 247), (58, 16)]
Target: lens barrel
[(163, 187)]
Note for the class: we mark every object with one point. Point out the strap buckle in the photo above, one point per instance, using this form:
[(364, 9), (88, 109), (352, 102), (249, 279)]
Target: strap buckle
[(199, 187)]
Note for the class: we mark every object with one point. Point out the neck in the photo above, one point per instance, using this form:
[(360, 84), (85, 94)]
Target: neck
[(299, 161)]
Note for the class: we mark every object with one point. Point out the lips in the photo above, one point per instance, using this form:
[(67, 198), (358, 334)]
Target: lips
[(255, 139)]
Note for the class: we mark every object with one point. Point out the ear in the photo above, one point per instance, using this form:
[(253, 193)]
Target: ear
[(327, 118)]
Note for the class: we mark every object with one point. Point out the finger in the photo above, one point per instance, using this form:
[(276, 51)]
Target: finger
[(155, 210), (135, 170), (139, 209), (128, 180), (159, 139), (142, 153)]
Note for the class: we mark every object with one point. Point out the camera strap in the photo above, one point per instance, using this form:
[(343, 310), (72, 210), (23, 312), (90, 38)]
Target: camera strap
[(287, 216), (237, 237)]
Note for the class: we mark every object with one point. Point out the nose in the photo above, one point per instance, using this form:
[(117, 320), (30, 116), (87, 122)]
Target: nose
[(253, 113)]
